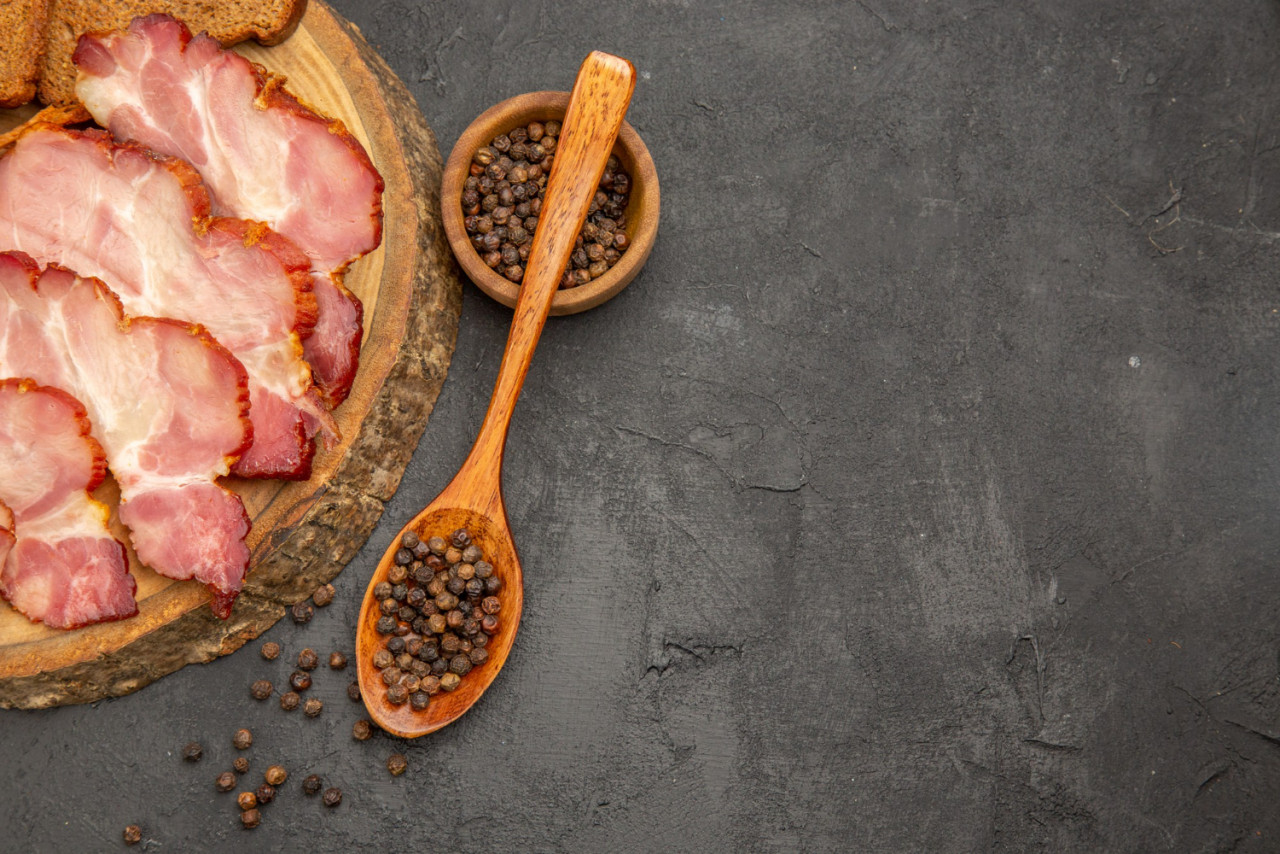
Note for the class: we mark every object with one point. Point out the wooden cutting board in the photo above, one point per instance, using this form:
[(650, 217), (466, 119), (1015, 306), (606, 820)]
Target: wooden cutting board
[(303, 533)]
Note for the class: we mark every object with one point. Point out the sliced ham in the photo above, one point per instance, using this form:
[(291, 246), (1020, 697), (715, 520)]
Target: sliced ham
[(263, 155), (140, 223), (66, 569), (166, 401)]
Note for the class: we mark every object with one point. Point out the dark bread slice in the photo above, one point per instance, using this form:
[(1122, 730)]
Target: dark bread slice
[(22, 32), (228, 21)]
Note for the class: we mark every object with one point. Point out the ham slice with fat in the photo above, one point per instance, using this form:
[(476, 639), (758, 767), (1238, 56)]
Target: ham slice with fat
[(262, 154), (66, 569), (166, 401), (140, 222)]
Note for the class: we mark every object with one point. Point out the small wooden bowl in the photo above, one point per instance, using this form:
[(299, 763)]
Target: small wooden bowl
[(642, 205)]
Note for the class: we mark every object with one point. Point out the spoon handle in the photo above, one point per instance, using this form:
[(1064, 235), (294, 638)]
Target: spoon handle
[(597, 107)]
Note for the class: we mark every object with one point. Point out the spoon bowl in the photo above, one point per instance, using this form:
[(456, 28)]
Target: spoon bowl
[(493, 537), (473, 499)]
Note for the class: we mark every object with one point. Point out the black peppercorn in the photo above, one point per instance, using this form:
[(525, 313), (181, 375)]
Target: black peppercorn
[(489, 623), (386, 625), (246, 800), (250, 818), (311, 785), (403, 557), (270, 650), (450, 681), (362, 730), (478, 656), (397, 694), (275, 775), (192, 752), (389, 607), (419, 700), (396, 764), (491, 605), (492, 584), (337, 661), (323, 595), (397, 575), (383, 658), (290, 701), (391, 675), (396, 645), (420, 551), (332, 797), (299, 680), (460, 538), (242, 739), (475, 587), (226, 782), (312, 707), (266, 793), (353, 691), (307, 659), (302, 613), (416, 597), (484, 156), (132, 835), (241, 765), (381, 591), (407, 614), (260, 690), (430, 684)]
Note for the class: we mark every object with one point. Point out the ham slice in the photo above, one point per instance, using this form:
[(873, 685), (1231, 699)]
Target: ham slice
[(140, 223), (167, 402), (66, 569), (263, 155)]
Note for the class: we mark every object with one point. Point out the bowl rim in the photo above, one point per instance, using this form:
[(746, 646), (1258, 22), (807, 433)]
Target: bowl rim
[(642, 228)]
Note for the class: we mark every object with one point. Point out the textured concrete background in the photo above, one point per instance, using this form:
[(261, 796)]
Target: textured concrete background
[(920, 495)]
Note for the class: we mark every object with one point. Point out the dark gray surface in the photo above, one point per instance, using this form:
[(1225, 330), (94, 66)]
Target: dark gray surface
[(911, 499)]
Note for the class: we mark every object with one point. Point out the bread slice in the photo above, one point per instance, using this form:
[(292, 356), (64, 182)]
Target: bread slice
[(22, 35), (228, 21)]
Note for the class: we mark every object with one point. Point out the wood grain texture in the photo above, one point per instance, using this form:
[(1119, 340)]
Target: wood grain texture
[(473, 499), (303, 533)]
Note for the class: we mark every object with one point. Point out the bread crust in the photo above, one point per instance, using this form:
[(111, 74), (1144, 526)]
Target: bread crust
[(22, 51)]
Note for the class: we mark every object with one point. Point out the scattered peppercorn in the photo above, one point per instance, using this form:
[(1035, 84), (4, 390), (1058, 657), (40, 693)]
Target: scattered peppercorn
[(290, 701), (302, 612), (251, 818), (266, 793), (132, 835), (323, 595), (362, 730), (260, 690), (332, 797), (299, 680), (226, 782), (271, 650), (337, 661), (241, 764), (396, 764), (312, 708), (311, 785), (246, 800), (242, 739), (192, 752), (307, 659), (353, 691), (275, 775)]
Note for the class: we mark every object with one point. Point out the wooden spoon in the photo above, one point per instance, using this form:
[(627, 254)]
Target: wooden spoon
[(473, 499)]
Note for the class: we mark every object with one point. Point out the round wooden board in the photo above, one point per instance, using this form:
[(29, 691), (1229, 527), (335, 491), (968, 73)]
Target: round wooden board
[(305, 532)]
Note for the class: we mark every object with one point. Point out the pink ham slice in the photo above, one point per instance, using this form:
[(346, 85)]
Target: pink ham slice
[(263, 155), (66, 569), (140, 223), (167, 403)]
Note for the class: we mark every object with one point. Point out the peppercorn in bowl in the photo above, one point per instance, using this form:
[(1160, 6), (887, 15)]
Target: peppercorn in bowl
[(493, 184)]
